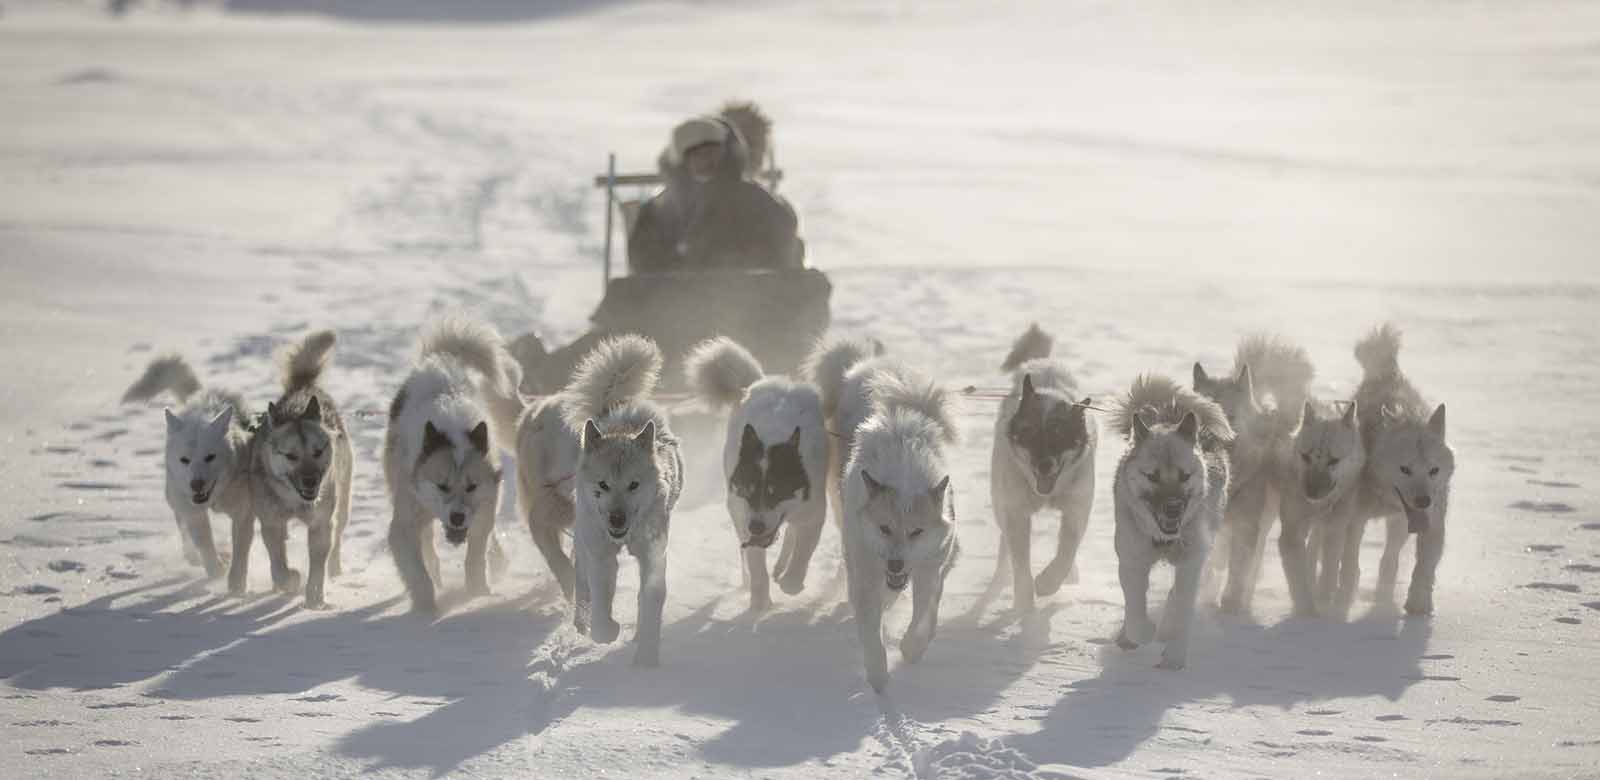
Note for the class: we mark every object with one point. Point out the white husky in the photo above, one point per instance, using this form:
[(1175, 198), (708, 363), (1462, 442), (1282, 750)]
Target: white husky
[(774, 461), (446, 426), (618, 372), (1170, 490), (1044, 447), (300, 469), (898, 521), (1408, 469), (1320, 500), (206, 454)]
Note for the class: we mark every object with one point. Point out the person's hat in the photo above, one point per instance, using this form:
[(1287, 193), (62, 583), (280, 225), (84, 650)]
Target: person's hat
[(696, 131)]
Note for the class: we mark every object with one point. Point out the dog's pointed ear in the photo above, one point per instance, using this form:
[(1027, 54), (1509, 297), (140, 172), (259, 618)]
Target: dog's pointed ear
[(1140, 430), (749, 441), (937, 493), (874, 487), (433, 439), (273, 416), (647, 437), (794, 438), (479, 437), (1308, 413), (1436, 422), (1201, 381), (1028, 393), (1352, 415), (173, 423), (313, 410), (1081, 408), (219, 424), (1247, 381), (591, 433), (1189, 429)]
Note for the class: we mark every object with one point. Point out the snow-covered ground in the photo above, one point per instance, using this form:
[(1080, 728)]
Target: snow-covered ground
[(1148, 181)]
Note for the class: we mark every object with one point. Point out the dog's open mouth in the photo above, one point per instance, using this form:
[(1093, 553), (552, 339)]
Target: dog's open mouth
[(202, 496), (309, 494), (763, 541), (1416, 519), (455, 535), (617, 534), (1170, 518), (896, 581)]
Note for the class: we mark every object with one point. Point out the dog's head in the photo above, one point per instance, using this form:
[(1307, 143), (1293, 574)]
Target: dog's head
[(767, 484), (1236, 395), (1413, 462), (298, 447), (198, 455), (904, 528), (1166, 473), (1048, 433), (1328, 452), (456, 481), (619, 476)]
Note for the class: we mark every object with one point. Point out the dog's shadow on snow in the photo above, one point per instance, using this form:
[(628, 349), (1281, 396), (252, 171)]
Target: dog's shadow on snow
[(1104, 719), (130, 636)]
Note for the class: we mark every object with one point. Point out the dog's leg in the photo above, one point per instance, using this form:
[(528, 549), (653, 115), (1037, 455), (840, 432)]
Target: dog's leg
[(319, 544), (581, 603), (755, 565), (806, 533), (1244, 525), (478, 537), (601, 569), (1296, 566), (1137, 628), (244, 535), (785, 552), (275, 534), (1389, 564), (653, 599), (867, 598), (1074, 521), (927, 585), (1018, 525), (1179, 610), (1350, 565), (405, 544), (1331, 553), (1430, 548), (1271, 511), (341, 511), (429, 550), (547, 535), (191, 553), (199, 530)]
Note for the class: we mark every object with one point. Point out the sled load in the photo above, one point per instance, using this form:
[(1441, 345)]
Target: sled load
[(713, 252)]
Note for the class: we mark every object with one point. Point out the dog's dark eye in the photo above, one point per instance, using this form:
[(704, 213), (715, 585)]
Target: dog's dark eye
[(444, 487), (1183, 476), (1305, 456), (1406, 470), (1333, 462), (291, 457), (915, 532), (1153, 476), (886, 530), (317, 454), (471, 486), (213, 456), (1433, 472), (184, 460), (632, 486), (603, 485)]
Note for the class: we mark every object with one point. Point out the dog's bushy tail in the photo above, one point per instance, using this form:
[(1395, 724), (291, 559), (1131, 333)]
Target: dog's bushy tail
[(720, 371), (1033, 344), (618, 371), (302, 363), (1161, 401), (1379, 351), (1277, 368), (894, 391), (831, 360), (478, 346), (168, 373)]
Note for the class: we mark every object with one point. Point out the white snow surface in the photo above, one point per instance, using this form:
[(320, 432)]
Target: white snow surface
[(1149, 181)]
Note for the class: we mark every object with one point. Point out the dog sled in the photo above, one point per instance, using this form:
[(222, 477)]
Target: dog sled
[(776, 313)]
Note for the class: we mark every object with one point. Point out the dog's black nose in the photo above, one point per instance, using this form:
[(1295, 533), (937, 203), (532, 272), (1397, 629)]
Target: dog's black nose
[(1422, 502), (197, 485), (895, 565), (757, 528), (458, 519), (618, 520)]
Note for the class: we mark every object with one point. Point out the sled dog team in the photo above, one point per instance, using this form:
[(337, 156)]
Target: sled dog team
[(860, 431)]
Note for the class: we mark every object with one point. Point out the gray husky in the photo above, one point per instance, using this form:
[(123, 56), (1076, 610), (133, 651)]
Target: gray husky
[(300, 469), (775, 462), (1170, 491), (1408, 469), (446, 426), (1320, 499), (1261, 396), (1044, 445), (207, 449), (629, 477)]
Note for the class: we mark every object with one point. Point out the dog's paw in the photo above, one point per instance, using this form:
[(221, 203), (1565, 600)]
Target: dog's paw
[(604, 631), (1232, 605), (479, 591), (289, 582), (791, 585), (1124, 642), (1306, 611), (319, 605), (1171, 661), (879, 680), (1419, 606), (1139, 631), (1048, 581), (912, 647), (759, 605)]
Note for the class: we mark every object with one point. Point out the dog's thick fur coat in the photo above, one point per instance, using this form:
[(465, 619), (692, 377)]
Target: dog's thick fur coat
[(1170, 492), (774, 462), (1043, 457)]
